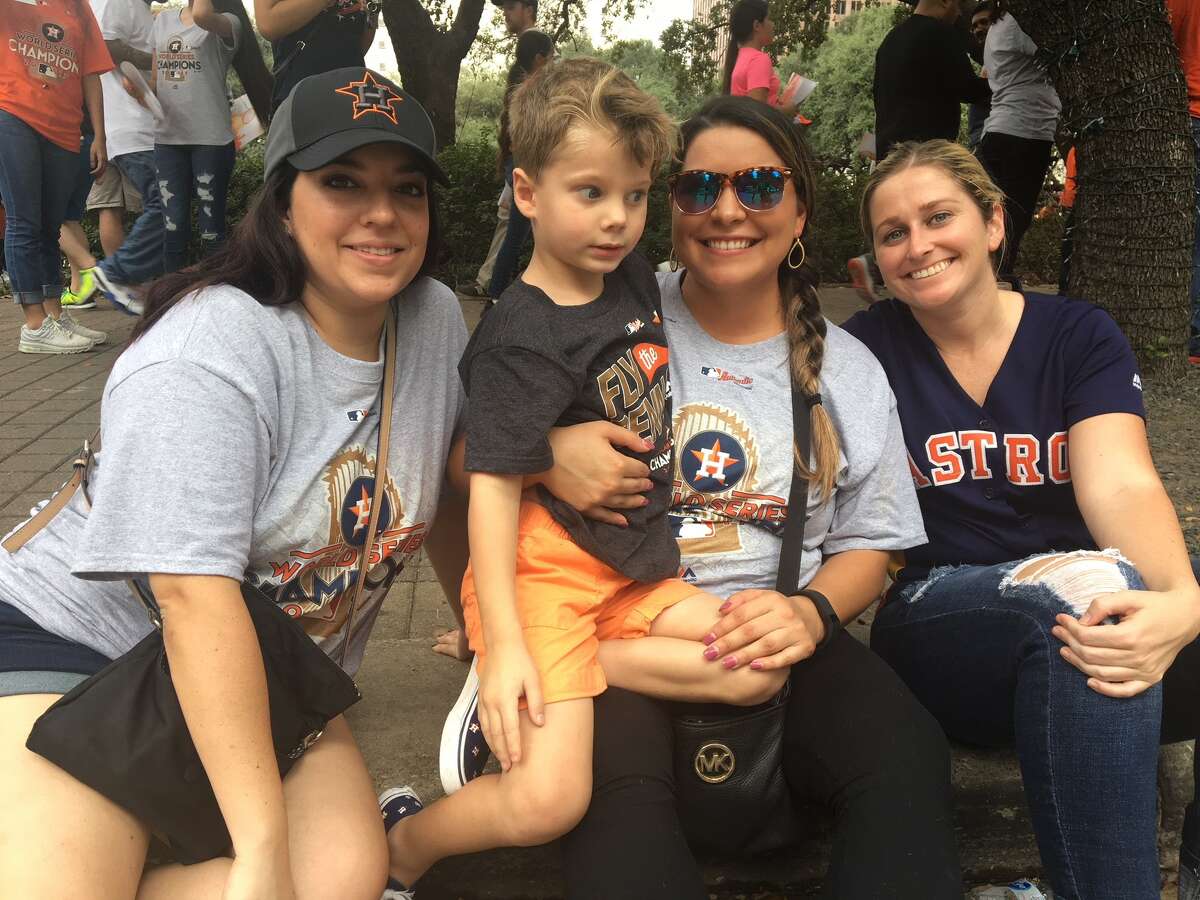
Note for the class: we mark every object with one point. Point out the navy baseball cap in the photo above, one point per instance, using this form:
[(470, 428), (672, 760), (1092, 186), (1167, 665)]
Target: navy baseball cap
[(328, 115)]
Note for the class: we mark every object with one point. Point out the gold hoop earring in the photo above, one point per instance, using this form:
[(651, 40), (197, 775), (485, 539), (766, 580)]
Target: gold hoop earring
[(803, 255), (673, 260)]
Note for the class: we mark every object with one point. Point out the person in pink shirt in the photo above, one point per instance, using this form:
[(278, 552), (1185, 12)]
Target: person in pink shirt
[(748, 68)]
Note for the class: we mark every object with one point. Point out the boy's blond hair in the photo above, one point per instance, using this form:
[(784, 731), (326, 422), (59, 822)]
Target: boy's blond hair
[(589, 92)]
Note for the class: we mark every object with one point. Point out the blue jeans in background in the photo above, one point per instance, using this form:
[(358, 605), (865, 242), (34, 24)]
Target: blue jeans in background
[(977, 651), (1194, 337), (509, 256), (36, 180), (184, 171), (140, 257), (77, 204)]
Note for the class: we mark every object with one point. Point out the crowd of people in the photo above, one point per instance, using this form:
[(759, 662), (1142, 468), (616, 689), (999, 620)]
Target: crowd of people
[(602, 475)]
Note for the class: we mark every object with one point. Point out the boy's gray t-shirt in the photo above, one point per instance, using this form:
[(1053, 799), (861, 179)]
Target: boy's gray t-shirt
[(236, 442), (190, 69), (733, 455)]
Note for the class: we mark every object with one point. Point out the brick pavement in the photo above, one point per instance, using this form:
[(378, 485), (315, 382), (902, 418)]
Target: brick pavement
[(48, 406)]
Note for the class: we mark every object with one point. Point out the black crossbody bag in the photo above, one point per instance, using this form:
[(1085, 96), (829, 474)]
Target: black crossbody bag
[(730, 789), (122, 731)]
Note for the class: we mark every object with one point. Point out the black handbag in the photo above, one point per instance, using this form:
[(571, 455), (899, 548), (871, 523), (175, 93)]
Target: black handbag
[(123, 733), (730, 790)]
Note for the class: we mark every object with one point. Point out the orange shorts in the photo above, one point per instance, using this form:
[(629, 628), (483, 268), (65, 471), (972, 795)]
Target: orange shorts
[(568, 602)]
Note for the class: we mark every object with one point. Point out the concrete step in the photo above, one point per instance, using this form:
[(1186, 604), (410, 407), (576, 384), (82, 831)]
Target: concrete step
[(408, 689)]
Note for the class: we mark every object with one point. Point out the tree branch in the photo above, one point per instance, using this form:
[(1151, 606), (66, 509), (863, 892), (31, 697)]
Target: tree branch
[(564, 19), (466, 26)]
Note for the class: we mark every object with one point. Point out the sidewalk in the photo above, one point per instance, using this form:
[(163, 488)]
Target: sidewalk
[(49, 404)]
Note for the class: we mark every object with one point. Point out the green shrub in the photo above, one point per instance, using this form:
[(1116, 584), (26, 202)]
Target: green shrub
[(467, 209), (834, 235)]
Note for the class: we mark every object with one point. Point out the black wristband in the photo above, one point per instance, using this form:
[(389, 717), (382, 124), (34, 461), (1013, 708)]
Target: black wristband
[(833, 622)]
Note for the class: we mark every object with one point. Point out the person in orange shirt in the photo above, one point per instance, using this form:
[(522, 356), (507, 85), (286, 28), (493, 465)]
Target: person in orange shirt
[(1185, 25), (1067, 201), (51, 58)]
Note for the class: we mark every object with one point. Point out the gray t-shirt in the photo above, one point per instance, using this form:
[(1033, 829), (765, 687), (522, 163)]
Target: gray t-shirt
[(1024, 102), (236, 442), (190, 65), (733, 455)]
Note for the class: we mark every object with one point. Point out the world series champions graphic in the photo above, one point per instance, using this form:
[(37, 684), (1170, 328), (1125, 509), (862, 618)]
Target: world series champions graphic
[(716, 476), (315, 585)]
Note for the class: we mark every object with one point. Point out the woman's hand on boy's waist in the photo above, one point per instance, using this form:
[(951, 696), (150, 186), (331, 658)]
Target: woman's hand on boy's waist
[(591, 474)]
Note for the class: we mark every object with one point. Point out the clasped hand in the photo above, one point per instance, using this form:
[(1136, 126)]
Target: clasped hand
[(765, 630), (1126, 658)]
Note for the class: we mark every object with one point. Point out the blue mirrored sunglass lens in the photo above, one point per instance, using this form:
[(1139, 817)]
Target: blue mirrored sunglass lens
[(698, 190), (760, 188)]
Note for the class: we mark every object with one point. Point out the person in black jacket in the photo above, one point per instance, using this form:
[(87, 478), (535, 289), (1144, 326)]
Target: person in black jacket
[(922, 75), (309, 37)]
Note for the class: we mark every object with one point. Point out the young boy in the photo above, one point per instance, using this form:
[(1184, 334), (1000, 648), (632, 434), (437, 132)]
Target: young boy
[(548, 593)]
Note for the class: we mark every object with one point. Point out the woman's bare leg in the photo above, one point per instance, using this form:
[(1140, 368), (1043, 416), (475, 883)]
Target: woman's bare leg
[(335, 833), (58, 837)]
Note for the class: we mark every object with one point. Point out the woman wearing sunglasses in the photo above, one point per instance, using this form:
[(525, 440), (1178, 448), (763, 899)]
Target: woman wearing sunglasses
[(744, 323)]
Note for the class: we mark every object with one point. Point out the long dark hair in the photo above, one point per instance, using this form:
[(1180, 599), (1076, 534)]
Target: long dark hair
[(530, 45), (260, 257), (797, 287), (741, 25)]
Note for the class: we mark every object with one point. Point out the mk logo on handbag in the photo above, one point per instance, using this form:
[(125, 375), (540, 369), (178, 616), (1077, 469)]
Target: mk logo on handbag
[(714, 763)]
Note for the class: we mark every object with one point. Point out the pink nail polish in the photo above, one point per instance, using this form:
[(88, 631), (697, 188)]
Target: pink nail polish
[(756, 665), (711, 653), (724, 607), (709, 638), (730, 662)]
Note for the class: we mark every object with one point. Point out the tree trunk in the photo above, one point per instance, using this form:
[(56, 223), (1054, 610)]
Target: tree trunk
[(1117, 71), (429, 58), (248, 62)]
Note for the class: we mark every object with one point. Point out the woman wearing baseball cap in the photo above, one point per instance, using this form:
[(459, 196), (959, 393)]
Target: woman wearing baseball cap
[(239, 437)]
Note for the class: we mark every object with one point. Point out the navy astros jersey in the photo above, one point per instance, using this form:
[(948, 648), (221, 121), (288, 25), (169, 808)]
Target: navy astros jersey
[(994, 481)]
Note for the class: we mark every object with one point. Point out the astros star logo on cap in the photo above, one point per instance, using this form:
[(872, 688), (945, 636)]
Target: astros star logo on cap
[(371, 97)]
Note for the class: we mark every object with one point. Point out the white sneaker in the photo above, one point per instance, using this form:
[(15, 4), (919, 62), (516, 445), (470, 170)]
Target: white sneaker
[(51, 338), (119, 295), (69, 323), (463, 751)]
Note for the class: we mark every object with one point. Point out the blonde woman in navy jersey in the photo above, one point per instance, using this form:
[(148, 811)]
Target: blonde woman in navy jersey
[(1055, 586)]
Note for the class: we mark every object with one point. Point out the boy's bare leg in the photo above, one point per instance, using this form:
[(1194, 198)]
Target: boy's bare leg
[(541, 798), (72, 241), (112, 228), (670, 662)]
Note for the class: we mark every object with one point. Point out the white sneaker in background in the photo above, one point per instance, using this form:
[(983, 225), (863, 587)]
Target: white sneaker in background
[(51, 338), (122, 296), (69, 323)]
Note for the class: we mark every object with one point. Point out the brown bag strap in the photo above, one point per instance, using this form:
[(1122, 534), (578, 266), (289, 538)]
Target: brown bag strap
[(82, 465), (386, 397)]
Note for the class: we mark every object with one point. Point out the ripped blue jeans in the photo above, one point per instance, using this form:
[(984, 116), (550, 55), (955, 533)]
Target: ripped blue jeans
[(974, 644), (187, 171)]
